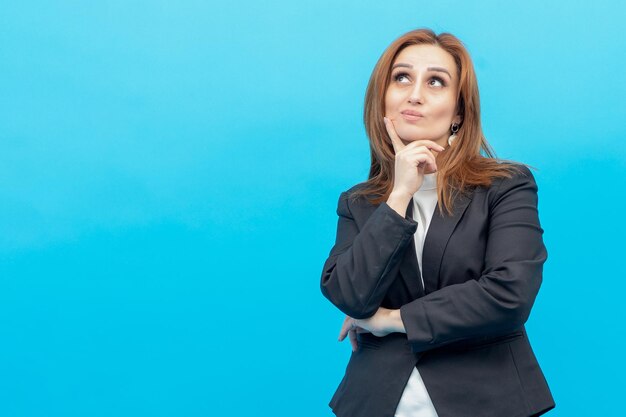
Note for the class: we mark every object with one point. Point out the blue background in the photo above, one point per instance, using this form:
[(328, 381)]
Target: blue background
[(169, 175)]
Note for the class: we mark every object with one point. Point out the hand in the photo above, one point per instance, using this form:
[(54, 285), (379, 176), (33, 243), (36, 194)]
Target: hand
[(352, 329), (412, 161), (379, 325)]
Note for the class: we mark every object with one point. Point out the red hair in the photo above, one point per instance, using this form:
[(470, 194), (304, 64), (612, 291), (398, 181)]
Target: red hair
[(460, 166)]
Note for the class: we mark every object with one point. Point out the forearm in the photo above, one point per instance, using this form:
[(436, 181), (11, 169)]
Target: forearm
[(465, 311), (363, 264)]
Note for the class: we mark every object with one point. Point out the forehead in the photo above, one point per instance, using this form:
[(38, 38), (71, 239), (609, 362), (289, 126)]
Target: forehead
[(423, 56)]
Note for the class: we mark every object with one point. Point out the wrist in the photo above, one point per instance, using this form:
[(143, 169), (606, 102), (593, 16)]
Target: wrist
[(400, 195), (398, 201), (395, 322)]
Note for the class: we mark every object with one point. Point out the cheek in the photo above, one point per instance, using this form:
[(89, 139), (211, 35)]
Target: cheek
[(392, 101), (443, 108)]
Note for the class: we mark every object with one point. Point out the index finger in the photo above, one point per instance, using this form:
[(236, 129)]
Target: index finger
[(396, 142)]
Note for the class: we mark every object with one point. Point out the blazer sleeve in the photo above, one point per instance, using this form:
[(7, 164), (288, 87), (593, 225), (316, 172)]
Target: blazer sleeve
[(500, 300), (363, 263)]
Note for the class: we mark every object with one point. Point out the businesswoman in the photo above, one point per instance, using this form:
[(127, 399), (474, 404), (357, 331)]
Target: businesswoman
[(438, 256)]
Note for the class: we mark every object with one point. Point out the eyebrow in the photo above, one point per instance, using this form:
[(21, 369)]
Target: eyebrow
[(438, 69)]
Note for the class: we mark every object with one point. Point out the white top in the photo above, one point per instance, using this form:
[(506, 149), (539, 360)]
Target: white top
[(415, 401)]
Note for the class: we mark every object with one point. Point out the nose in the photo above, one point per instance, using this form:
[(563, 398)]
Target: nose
[(416, 94)]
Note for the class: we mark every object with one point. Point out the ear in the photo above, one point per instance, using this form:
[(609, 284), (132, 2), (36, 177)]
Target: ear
[(457, 119)]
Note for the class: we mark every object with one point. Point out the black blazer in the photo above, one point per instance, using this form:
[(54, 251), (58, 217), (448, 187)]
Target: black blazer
[(465, 330)]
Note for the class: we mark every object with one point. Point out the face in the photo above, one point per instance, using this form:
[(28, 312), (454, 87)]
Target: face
[(424, 81)]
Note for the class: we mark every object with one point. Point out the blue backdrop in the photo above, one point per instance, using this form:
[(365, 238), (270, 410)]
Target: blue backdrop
[(169, 173)]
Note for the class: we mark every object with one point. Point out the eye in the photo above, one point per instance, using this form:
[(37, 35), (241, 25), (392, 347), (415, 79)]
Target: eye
[(438, 80), (399, 75)]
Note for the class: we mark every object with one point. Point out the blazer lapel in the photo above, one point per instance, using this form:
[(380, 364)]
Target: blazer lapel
[(437, 236), (409, 268)]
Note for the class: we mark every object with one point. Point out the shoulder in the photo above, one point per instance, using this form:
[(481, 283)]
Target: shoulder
[(520, 183), (349, 199), (354, 188), (351, 194), (519, 173)]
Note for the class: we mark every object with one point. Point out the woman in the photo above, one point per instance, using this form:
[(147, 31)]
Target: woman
[(439, 254)]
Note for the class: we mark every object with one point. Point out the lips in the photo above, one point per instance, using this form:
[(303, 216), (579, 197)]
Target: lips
[(411, 115)]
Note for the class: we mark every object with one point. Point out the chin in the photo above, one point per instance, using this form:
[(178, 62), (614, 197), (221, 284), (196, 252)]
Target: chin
[(411, 135)]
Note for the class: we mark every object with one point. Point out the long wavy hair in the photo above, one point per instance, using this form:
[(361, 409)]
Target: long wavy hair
[(468, 162)]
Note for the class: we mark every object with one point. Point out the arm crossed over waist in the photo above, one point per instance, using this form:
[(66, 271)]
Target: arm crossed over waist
[(363, 264)]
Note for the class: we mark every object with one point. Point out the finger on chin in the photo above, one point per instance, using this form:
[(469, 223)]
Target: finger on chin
[(395, 139)]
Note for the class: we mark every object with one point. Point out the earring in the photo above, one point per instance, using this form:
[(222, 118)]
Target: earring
[(454, 128)]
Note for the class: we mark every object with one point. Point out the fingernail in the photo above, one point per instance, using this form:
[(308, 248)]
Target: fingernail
[(385, 119)]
